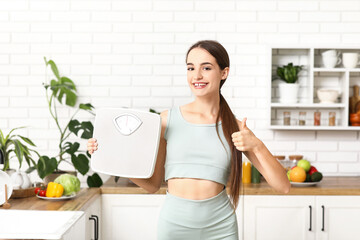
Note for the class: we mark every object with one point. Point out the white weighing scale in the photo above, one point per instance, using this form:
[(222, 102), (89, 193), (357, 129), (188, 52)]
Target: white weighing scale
[(128, 142)]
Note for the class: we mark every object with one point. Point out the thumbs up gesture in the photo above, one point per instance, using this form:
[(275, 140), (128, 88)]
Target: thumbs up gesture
[(245, 140)]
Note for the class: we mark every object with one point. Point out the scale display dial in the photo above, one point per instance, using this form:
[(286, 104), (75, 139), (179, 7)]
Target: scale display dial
[(127, 123)]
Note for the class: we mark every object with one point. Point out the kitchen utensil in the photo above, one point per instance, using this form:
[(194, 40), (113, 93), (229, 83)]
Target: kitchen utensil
[(6, 205), (5, 180), (350, 60), (330, 53), (330, 62), (128, 142), (354, 100), (327, 95)]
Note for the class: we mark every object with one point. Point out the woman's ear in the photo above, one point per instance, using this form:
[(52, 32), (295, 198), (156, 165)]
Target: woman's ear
[(225, 73)]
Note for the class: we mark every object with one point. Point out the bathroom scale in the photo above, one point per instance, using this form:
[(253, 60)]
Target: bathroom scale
[(128, 142)]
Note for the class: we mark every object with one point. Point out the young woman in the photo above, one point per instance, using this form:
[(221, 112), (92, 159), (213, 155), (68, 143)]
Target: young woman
[(200, 154)]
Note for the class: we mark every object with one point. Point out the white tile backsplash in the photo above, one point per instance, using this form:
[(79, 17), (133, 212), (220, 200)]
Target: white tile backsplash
[(132, 53)]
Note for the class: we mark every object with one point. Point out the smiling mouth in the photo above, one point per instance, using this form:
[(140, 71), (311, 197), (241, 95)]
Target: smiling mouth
[(200, 85)]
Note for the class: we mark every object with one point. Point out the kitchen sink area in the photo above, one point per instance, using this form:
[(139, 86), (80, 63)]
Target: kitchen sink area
[(34, 224)]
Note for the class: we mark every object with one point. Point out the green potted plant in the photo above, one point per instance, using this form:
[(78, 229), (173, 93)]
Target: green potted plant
[(15, 146), (62, 90), (288, 90)]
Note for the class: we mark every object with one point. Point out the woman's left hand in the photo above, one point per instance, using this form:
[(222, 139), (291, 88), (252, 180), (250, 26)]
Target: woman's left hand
[(245, 140)]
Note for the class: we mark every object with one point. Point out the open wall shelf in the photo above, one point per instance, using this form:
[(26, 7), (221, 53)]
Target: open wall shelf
[(313, 76)]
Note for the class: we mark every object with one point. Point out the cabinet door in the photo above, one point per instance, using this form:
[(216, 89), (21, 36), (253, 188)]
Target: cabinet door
[(130, 216), (341, 217), (278, 217), (93, 209)]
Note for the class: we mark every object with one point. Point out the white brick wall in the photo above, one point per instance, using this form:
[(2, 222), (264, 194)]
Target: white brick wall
[(131, 53)]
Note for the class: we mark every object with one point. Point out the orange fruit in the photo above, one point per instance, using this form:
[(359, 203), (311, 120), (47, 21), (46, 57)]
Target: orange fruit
[(297, 174)]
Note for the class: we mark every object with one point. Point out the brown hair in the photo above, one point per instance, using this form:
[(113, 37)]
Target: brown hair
[(229, 123)]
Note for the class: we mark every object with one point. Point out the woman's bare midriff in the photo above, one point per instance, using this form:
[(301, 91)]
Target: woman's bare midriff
[(192, 188)]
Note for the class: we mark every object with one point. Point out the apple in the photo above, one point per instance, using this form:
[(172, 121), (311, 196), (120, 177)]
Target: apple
[(305, 164), (288, 175), (312, 170)]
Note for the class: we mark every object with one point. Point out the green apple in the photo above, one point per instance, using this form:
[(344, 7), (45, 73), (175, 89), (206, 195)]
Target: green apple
[(288, 175), (305, 164)]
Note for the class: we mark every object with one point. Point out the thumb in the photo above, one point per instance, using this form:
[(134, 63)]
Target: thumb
[(243, 124)]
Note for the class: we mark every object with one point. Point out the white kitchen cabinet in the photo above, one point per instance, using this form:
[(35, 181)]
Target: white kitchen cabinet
[(135, 216), (301, 217), (341, 217), (130, 216), (278, 217), (77, 230), (93, 220), (311, 78)]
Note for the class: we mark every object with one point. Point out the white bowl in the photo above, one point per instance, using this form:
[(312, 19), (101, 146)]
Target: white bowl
[(327, 95)]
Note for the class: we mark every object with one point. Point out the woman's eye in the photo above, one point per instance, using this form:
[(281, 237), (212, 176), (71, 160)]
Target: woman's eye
[(207, 68), (190, 69)]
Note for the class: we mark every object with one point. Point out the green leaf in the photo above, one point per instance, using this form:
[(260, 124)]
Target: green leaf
[(30, 169), (74, 126), (71, 148), (86, 106), (53, 67), (70, 97), (46, 166), (27, 140), (88, 130), (2, 138), (81, 163), (94, 180), (9, 135), (18, 151), (68, 83)]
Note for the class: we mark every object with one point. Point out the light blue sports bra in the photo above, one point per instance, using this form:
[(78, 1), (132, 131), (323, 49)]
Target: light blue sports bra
[(194, 150)]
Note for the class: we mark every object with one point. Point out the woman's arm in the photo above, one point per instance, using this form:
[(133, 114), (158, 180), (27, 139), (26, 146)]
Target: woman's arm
[(153, 183), (256, 151)]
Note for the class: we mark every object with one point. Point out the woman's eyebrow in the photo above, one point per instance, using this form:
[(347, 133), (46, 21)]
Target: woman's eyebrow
[(204, 63)]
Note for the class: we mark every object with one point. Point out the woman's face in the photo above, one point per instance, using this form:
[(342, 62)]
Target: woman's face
[(203, 68)]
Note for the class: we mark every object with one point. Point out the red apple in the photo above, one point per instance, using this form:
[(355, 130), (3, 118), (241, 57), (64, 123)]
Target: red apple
[(312, 170)]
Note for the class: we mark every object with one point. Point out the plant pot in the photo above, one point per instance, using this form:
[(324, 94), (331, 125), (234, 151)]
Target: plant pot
[(288, 92), (54, 175)]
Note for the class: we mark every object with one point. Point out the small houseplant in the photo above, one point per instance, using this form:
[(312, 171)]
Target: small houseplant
[(289, 90), (15, 146), (62, 90)]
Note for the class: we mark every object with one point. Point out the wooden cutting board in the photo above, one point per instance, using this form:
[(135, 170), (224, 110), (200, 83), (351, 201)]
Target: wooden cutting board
[(354, 101)]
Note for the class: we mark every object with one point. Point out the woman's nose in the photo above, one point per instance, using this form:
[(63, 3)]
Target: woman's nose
[(198, 75)]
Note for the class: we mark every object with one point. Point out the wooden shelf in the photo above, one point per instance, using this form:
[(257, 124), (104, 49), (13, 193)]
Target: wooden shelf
[(308, 105), (281, 127)]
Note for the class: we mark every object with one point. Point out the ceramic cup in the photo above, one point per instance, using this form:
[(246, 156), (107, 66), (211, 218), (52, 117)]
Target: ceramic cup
[(350, 60), (330, 53), (330, 62)]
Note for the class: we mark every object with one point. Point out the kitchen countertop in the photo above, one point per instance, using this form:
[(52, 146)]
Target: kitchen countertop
[(84, 198), (328, 186)]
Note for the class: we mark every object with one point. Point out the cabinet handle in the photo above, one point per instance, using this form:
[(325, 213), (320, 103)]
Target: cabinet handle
[(310, 217), (96, 225), (323, 218)]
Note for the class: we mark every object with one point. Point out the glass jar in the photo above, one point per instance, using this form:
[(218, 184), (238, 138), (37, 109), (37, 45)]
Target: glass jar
[(317, 117), (302, 118), (286, 118), (294, 159), (332, 118)]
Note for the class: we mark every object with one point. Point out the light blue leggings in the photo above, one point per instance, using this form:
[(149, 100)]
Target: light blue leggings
[(187, 219)]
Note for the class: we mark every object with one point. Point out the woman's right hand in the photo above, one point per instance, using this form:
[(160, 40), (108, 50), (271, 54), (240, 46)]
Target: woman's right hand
[(92, 145)]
